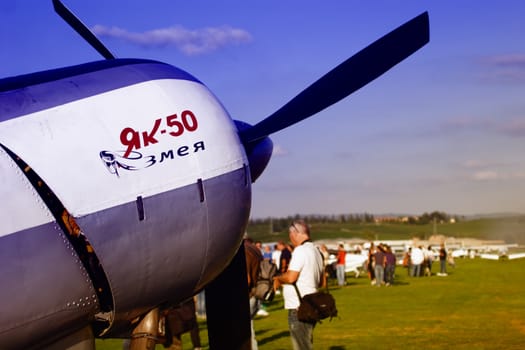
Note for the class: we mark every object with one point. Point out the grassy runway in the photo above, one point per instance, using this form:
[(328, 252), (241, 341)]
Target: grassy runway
[(479, 305)]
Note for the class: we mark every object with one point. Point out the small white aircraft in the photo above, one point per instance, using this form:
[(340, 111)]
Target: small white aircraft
[(502, 256), (353, 262), (126, 188)]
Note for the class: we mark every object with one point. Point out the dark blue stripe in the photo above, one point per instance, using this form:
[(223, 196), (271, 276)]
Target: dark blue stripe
[(42, 90)]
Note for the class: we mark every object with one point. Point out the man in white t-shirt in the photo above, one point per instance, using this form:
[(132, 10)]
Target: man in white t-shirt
[(417, 258), (306, 271)]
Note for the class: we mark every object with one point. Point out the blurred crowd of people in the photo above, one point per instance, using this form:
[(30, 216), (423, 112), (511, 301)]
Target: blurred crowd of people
[(379, 262), (419, 260)]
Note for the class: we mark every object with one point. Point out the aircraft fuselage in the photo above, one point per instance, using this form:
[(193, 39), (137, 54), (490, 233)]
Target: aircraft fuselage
[(146, 162)]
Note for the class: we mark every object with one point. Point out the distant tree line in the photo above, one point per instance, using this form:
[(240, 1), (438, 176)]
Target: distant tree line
[(282, 224), (438, 216)]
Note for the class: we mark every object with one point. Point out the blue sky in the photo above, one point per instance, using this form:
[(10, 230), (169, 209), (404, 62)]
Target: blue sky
[(444, 130)]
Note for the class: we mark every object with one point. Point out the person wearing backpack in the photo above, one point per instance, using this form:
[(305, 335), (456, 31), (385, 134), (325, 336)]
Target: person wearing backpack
[(306, 272), (264, 285)]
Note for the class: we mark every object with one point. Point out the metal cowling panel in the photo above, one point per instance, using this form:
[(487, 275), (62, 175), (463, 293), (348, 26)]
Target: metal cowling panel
[(45, 288), (178, 247)]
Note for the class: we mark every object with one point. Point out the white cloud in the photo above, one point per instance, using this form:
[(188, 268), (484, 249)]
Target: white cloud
[(516, 60), (190, 42), (489, 175), (485, 175), (474, 164), (479, 165), (504, 68), (514, 128), (278, 150)]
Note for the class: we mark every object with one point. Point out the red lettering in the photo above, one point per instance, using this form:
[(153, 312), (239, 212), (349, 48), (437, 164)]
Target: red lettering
[(172, 122), (130, 138), (189, 120), (150, 138)]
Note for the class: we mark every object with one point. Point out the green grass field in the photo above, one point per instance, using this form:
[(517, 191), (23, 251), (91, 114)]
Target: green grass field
[(480, 305)]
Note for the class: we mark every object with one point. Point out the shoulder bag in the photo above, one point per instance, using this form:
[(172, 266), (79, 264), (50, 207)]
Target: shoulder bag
[(316, 306)]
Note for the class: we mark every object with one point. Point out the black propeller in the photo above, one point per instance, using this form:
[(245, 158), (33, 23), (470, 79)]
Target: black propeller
[(81, 29), (349, 76)]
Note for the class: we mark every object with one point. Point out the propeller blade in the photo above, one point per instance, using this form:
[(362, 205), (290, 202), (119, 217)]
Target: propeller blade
[(349, 76), (81, 29)]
